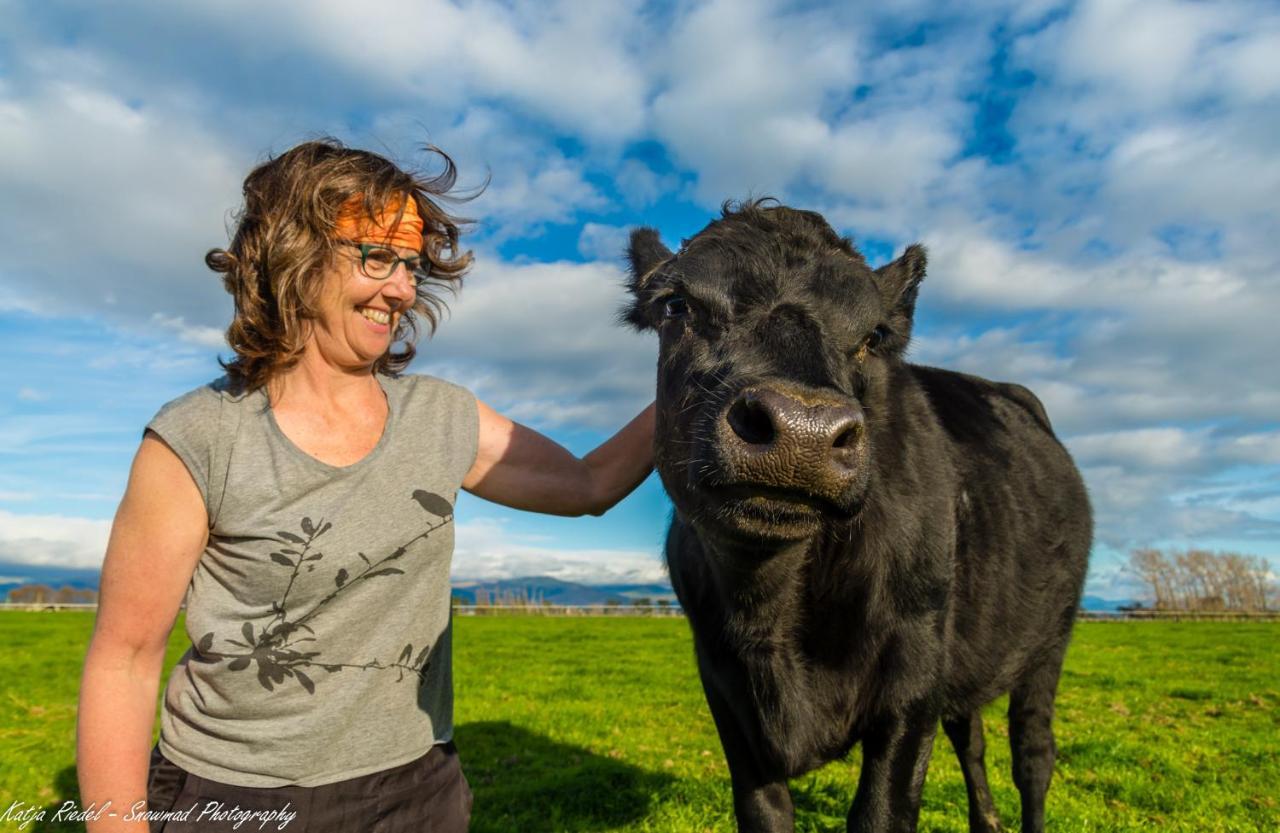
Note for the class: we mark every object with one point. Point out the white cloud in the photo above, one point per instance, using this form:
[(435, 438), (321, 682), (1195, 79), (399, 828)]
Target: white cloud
[(54, 540), (977, 270), (640, 185), (1249, 64), (141, 179), (1112, 390), (486, 549), (34, 434), (1143, 448), (1153, 112), (532, 182), (545, 337), (604, 242), (1110, 579), (813, 106), (1132, 507), (999, 353), (192, 334), (889, 159), (1151, 55), (1149, 48), (1139, 339), (1212, 173), (570, 63), (729, 110), (1258, 449), (566, 63), (109, 206)]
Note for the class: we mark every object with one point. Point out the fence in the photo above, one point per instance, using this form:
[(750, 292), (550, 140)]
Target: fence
[(568, 610), (675, 610), (460, 610), (1180, 615)]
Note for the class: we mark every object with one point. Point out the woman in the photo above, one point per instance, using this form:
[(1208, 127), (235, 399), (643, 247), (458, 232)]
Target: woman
[(304, 505)]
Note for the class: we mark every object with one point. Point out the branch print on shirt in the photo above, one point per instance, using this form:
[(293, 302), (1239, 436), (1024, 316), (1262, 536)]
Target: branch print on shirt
[(275, 645)]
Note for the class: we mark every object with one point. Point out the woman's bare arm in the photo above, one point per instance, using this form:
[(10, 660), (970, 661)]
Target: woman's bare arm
[(159, 532), (518, 467)]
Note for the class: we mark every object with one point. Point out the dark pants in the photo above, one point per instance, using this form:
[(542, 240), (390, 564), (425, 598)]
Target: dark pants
[(427, 795)]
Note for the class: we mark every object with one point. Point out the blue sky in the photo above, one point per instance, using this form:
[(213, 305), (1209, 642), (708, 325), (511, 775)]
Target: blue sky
[(1096, 183)]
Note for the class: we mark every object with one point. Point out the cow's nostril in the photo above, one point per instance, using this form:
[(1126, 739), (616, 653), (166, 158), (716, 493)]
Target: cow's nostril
[(750, 420), (848, 436)]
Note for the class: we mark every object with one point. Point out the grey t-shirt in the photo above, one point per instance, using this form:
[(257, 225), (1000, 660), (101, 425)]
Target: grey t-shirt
[(319, 611)]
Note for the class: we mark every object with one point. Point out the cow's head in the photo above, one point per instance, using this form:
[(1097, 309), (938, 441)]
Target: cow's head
[(777, 342)]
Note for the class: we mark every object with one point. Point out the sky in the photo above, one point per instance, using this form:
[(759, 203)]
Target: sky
[(1096, 183)]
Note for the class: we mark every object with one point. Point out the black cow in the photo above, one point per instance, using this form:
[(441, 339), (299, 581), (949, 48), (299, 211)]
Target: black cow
[(863, 546)]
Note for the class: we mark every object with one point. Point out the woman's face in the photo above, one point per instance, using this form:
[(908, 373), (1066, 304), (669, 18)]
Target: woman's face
[(359, 314)]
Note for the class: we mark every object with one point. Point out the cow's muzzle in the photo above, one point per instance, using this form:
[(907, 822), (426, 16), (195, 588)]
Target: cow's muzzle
[(809, 443)]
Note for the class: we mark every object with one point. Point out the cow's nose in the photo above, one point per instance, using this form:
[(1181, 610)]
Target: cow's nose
[(787, 439)]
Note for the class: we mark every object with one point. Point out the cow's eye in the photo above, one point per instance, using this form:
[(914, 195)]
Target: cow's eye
[(675, 307), (876, 338)]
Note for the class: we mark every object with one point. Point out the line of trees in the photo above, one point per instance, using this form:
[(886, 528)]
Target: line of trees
[(44, 594), (508, 598), (522, 598), (1203, 580)]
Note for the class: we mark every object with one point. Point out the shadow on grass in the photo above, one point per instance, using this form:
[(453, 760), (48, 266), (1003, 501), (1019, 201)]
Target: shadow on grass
[(66, 785), (527, 782), (522, 781)]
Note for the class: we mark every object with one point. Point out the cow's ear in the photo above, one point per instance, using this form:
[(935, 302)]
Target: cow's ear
[(645, 254), (899, 283)]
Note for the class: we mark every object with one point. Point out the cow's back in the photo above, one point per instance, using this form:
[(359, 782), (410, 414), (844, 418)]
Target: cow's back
[(1024, 529)]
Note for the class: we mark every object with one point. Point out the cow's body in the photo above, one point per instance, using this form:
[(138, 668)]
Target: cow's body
[(935, 565)]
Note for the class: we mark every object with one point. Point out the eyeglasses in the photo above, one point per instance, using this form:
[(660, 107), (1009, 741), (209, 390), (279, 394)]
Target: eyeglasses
[(379, 262)]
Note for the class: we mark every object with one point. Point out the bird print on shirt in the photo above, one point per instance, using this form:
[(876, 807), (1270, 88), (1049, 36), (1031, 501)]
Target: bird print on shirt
[(279, 648)]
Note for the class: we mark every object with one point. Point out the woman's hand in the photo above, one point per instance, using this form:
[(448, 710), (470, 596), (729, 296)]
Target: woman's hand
[(156, 539), (518, 467)]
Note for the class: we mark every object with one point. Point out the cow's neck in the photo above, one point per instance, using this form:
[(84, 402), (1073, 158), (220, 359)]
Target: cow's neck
[(764, 643), (757, 588), (764, 592)]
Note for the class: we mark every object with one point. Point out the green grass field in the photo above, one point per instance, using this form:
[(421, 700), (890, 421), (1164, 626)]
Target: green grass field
[(577, 724)]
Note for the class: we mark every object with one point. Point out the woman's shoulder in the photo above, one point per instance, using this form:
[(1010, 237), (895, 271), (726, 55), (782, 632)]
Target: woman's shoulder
[(193, 426), (423, 385), (443, 411), (206, 399)]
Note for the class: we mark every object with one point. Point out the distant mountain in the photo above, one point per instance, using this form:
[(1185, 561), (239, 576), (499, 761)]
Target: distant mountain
[(15, 575), (1101, 604), (543, 588), (557, 592)]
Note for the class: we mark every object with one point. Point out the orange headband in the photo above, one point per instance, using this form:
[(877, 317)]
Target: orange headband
[(356, 225)]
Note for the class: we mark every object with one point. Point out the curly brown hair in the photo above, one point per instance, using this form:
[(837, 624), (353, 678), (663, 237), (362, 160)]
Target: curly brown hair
[(283, 241)]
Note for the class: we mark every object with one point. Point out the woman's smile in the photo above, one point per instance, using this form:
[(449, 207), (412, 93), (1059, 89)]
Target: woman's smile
[(378, 316), (377, 319)]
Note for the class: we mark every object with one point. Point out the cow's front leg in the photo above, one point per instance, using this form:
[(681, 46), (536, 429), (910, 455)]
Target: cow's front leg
[(761, 806), (761, 802), (895, 756)]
